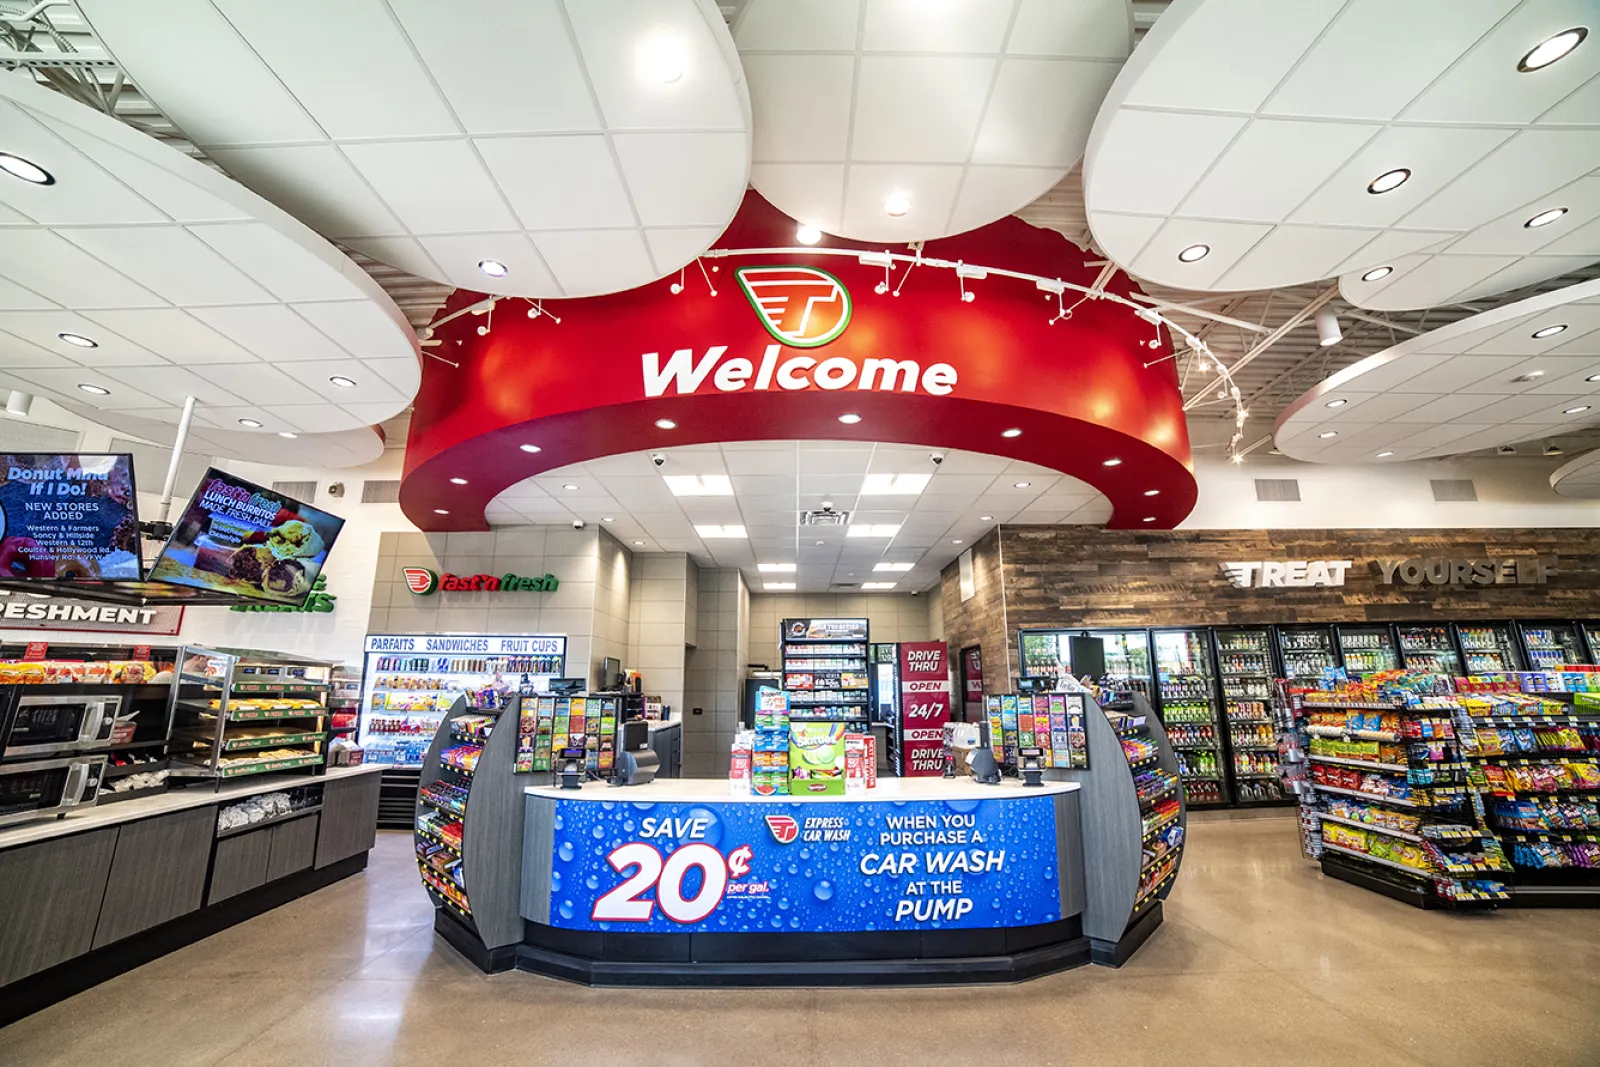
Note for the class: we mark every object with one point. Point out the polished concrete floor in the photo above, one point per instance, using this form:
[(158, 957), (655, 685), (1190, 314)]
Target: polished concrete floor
[(1261, 961)]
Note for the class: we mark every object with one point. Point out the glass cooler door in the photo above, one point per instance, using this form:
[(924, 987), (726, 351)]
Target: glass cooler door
[(1044, 653), (1368, 648), (1307, 652), (1551, 644), (1429, 648), (1128, 658), (1189, 708), (1244, 661), (1489, 647)]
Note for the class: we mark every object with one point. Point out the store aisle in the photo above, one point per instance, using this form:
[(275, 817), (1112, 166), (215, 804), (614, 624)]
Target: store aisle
[(1261, 960)]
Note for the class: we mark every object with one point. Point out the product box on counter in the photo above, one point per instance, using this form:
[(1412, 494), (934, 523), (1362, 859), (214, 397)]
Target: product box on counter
[(816, 758)]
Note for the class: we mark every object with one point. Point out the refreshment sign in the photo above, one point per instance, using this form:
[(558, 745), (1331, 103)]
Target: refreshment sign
[(924, 707), (67, 517), (70, 613), (737, 867)]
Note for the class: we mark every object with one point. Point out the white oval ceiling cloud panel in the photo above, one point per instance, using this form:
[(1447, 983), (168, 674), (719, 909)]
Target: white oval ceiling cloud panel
[(1578, 478), (544, 148), (903, 120), (1280, 144), (132, 276), (1520, 372)]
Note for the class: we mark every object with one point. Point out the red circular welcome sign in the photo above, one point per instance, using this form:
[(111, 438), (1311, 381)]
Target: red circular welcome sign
[(790, 342)]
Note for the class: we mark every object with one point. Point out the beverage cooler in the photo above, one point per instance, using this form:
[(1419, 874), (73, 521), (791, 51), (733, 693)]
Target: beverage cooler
[(1244, 659), (1429, 648), (1551, 644), (1189, 708), (1128, 658), (1591, 639), (1307, 651), (1368, 649), (1047, 654), (1489, 647)]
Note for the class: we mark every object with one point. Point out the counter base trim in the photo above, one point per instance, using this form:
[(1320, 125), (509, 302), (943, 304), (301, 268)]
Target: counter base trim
[(465, 940), (1116, 953), (1418, 894), (55, 984)]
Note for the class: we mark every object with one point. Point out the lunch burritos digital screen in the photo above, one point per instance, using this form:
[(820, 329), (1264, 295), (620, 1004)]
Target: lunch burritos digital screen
[(236, 537), (68, 517)]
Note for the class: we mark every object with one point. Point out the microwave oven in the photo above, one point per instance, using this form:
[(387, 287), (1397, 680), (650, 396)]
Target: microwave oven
[(48, 787), (40, 724)]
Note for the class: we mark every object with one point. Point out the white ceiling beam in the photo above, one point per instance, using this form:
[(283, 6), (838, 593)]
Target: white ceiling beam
[(1272, 338)]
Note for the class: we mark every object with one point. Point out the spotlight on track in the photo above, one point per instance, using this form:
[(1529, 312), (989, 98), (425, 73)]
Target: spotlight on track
[(1328, 332)]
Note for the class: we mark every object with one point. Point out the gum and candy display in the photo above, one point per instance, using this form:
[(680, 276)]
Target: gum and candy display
[(790, 866)]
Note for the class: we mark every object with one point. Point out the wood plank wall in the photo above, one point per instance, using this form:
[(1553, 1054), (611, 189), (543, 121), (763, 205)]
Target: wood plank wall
[(1068, 576)]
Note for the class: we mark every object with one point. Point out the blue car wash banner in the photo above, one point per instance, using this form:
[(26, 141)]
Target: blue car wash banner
[(744, 867)]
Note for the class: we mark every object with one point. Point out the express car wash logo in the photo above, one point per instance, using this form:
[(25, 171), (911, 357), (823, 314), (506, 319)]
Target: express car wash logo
[(784, 828), (420, 580), (800, 306)]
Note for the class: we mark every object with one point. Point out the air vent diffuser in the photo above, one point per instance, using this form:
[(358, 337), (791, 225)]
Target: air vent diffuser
[(1453, 489), (1278, 490), (306, 491), (824, 518), (381, 492)]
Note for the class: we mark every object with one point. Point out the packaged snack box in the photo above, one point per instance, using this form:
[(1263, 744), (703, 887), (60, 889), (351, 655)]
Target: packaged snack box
[(855, 756), (816, 758)]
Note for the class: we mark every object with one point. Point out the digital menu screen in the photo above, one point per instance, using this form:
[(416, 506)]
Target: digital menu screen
[(237, 537), (68, 517)]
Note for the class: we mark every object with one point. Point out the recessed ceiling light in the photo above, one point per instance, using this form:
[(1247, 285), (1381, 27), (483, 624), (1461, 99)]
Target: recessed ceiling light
[(822, 542), (777, 586), (1531, 376), (1194, 253), (458, 481), (342, 382), (97, 390), (1336, 403), (28, 171), (638, 544), (775, 568), (1548, 51), (530, 448), (897, 204), (1149, 518), (440, 511), (1013, 432), (879, 585), (1384, 455), (849, 418), (493, 268), (79, 340), (607, 518), (1325, 434), (956, 541), (897, 567), (1376, 273), (1112, 462), (871, 529), (569, 487), (894, 484), (662, 59), (666, 424), (807, 235), (1548, 331), (1020, 485), (1593, 378), (1389, 180), (1577, 410), (720, 531), (286, 433), (1152, 492), (699, 484), (252, 423), (985, 518), (1544, 218)]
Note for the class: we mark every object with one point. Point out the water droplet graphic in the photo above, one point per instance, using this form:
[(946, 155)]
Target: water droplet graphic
[(592, 882), (783, 904), (598, 832), (823, 890), (564, 850), (566, 909)]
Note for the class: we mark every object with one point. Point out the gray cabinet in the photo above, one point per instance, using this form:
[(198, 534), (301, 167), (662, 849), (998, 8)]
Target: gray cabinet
[(667, 743), (49, 900), (158, 873), (294, 844), (240, 864), (349, 818)]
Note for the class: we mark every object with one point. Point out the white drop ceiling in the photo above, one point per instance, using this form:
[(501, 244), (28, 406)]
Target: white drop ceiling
[(773, 481), (189, 284), (542, 134), (970, 108), (1482, 382), (1272, 119)]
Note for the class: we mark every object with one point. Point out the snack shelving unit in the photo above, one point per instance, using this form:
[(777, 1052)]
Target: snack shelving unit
[(825, 671), (1392, 807), (238, 713)]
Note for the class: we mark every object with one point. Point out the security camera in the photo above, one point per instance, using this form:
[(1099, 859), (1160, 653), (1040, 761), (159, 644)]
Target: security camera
[(1508, 450), (659, 459), (577, 524), (336, 489), (937, 457)]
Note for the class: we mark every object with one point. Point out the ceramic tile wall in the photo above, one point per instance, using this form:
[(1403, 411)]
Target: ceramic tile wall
[(715, 679), (530, 551), (613, 596), (665, 597), (892, 617)]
